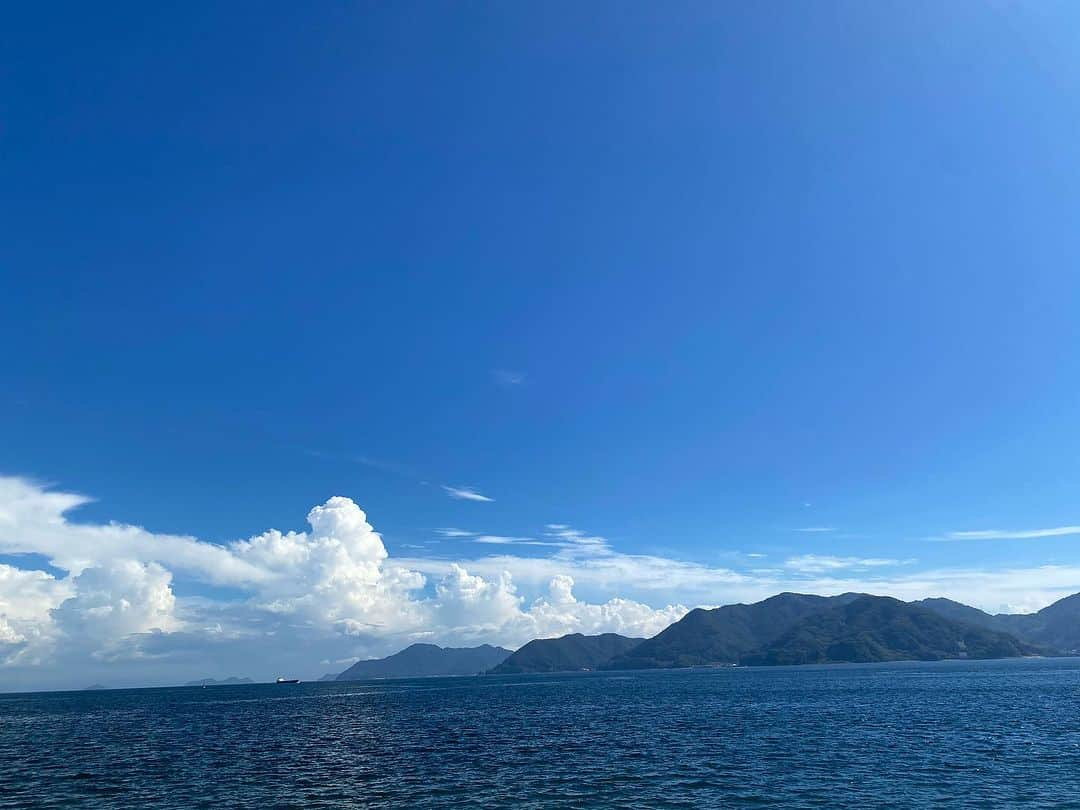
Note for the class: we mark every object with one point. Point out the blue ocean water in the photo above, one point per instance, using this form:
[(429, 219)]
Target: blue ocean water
[(955, 734)]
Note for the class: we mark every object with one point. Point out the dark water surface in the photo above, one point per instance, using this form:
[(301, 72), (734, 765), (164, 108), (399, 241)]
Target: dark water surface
[(972, 734)]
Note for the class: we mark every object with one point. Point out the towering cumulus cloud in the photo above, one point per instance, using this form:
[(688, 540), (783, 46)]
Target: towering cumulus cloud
[(116, 600), (334, 575), (108, 598)]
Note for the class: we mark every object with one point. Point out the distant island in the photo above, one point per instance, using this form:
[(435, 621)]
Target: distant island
[(786, 629), (574, 652), (427, 660), (232, 681), (793, 628)]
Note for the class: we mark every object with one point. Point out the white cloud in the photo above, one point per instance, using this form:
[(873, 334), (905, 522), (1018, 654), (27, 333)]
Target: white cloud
[(1014, 534), (336, 575), (558, 535), (8, 634), (1011, 590), (33, 521), (574, 542), (645, 577), (115, 601), (653, 579), (816, 529), (478, 608), (331, 589), (466, 494), (27, 599), (472, 607), (333, 592), (501, 540), (560, 613), (507, 377), (816, 563)]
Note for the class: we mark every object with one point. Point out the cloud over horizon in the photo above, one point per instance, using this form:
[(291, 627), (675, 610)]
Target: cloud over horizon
[(110, 607), (334, 582)]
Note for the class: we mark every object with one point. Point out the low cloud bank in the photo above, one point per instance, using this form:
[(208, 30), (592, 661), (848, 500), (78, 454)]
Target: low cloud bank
[(334, 584), (328, 595)]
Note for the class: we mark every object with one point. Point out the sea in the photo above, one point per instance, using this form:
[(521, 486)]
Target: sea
[(946, 734)]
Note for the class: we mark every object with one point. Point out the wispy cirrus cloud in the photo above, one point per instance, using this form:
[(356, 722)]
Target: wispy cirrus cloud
[(1009, 534), (365, 460), (466, 494), (571, 541), (507, 377), (452, 532), (502, 540), (818, 563), (576, 542), (816, 529)]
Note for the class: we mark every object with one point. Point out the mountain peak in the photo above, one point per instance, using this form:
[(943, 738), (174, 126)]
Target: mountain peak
[(425, 660), (572, 652)]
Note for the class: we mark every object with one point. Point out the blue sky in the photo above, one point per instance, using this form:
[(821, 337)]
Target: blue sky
[(689, 278)]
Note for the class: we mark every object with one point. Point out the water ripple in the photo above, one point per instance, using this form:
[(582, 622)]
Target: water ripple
[(975, 734)]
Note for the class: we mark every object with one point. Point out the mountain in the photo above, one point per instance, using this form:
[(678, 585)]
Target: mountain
[(724, 634), (789, 628), (1055, 628), (233, 681), (960, 612), (879, 628), (571, 653), (424, 660), (329, 676)]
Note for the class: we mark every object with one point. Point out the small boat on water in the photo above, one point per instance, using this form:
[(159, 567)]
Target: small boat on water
[(287, 680)]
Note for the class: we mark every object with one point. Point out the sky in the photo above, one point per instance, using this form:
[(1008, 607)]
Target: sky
[(330, 328)]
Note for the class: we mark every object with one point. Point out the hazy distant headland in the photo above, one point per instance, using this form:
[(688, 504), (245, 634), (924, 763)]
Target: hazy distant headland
[(427, 660), (230, 681)]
